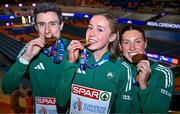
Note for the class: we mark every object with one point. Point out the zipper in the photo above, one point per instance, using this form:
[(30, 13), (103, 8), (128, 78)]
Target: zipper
[(93, 77)]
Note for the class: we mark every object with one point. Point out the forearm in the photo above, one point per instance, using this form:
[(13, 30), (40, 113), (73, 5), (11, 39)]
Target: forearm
[(63, 90), (123, 100), (156, 99), (12, 78)]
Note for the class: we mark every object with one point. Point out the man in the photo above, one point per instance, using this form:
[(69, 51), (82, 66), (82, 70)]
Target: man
[(43, 59), (150, 85)]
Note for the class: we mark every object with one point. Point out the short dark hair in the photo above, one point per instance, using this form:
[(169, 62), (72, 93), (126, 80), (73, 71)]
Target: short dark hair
[(45, 7), (130, 27)]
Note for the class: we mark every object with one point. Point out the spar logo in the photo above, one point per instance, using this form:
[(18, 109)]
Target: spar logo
[(105, 96), (45, 101), (86, 92), (90, 93)]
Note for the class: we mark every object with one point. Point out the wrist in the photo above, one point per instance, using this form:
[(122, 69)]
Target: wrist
[(26, 58), (143, 85), (23, 60), (71, 61)]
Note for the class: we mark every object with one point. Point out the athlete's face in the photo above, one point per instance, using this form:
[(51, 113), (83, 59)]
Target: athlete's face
[(99, 33), (48, 24), (132, 43)]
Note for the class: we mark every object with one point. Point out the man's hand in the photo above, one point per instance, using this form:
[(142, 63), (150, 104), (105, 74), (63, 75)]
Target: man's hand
[(33, 48)]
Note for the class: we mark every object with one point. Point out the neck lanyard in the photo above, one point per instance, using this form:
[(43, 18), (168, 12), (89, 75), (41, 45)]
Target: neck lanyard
[(56, 57), (100, 62), (134, 82), (84, 61)]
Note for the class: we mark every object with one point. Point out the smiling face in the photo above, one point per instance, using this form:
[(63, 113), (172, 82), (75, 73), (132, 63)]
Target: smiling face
[(48, 24), (99, 34), (132, 43)]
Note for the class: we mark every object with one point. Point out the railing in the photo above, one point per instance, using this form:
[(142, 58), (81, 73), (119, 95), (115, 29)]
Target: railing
[(10, 47)]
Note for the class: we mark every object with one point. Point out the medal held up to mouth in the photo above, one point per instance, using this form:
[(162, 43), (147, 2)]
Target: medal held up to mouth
[(85, 42), (55, 52), (138, 57), (49, 41), (84, 54)]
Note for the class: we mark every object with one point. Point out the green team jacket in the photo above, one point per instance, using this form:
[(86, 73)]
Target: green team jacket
[(157, 96), (44, 74), (106, 77)]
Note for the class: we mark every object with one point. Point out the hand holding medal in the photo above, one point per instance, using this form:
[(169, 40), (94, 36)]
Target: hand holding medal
[(143, 69), (49, 41), (85, 42), (84, 54), (78, 48), (32, 49), (57, 55), (75, 48), (138, 57)]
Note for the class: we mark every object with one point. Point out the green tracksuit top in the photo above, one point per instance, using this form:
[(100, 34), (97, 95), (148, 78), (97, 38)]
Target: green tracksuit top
[(106, 77), (157, 96), (44, 74)]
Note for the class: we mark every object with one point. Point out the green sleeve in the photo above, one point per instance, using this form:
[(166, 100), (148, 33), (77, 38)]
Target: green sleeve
[(66, 42), (63, 90), (157, 97), (12, 78), (123, 99)]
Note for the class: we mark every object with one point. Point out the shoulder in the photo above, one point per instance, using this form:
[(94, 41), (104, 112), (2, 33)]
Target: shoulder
[(66, 41), (123, 65), (156, 67), (163, 73), (122, 68)]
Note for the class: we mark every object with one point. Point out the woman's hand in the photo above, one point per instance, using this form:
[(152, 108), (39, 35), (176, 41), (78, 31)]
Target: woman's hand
[(73, 50), (144, 72)]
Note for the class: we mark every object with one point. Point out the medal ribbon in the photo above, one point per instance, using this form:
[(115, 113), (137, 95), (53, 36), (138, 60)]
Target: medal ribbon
[(84, 61), (99, 63), (56, 57)]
